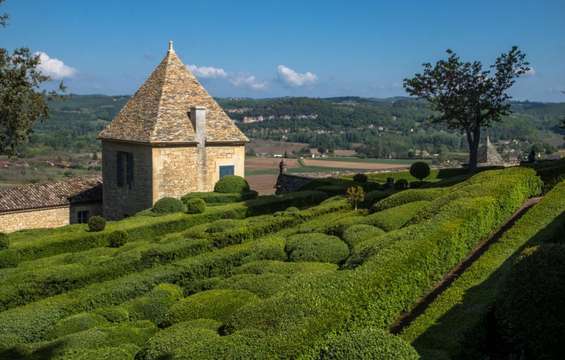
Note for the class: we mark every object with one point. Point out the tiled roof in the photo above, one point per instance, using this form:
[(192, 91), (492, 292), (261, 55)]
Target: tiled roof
[(159, 111), (33, 196)]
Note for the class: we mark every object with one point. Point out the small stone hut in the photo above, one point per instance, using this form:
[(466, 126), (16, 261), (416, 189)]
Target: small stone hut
[(171, 138)]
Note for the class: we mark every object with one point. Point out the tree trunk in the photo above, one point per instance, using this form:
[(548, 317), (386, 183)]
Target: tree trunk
[(474, 139)]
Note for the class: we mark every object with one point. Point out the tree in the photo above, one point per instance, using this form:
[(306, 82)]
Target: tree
[(355, 195), (420, 170), (465, 96), (22, 104)]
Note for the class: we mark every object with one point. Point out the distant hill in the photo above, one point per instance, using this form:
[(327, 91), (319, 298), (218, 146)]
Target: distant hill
[(391, 126)]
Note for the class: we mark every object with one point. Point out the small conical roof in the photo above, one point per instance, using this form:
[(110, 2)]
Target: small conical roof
[(159, 112)]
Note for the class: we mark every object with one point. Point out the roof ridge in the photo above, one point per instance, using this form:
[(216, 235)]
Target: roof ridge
[(170, 52)]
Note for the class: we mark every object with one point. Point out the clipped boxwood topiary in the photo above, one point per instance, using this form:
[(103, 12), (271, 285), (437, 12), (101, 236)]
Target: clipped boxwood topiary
[(117, 239), (360, 178), (4, 242), (368, 343), (231, 184), (113, 314), (355, 234), (76, 323), (420, 170), (211, 304), (316, 247), (195, 206), (96, 223), (401, 184), (530, 312), (155, 305), (168, 205)]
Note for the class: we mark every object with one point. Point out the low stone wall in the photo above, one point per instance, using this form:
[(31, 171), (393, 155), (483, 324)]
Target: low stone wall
[(31, 219), (288, 183)]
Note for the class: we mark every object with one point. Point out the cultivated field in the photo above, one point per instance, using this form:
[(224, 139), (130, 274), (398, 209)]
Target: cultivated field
[(296, 276)]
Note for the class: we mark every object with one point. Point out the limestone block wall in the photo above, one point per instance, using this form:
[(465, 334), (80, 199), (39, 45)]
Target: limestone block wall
[(125, 201), (41, 218), (92, 208), (175, 171), (223, 155)]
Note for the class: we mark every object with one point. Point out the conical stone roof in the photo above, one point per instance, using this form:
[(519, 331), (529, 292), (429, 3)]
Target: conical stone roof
[(159, 112), (488, 155)]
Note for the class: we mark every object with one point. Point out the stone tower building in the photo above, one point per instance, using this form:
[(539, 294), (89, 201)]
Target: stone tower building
[(171, 138)]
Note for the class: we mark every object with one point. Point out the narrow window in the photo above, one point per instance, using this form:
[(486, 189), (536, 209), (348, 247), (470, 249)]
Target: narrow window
[(226, 170), (82, 216), (124, 169)]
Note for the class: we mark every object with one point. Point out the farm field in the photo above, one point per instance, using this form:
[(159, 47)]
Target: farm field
[(301, 275)]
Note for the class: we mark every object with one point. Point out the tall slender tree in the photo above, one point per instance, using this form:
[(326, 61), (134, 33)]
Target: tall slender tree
[(22, 102), (467, 97)]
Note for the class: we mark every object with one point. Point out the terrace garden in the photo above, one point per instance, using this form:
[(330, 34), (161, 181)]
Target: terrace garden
[(300, 275)]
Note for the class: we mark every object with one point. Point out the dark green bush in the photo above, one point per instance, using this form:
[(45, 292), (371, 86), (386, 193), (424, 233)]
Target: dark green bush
[(360, 178), (76, 323), (155, 305), (231, 184), (420, 170), (117, 239), (168, 205), (358, 233), (195, 206), (373, 196), (316, 247), (221, 198), (367, 343), (401, 184), (216, 304), (4, 242), (292, 210), (530, 312), (96, 223)]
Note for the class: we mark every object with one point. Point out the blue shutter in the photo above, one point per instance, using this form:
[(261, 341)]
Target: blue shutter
[(226, 170)]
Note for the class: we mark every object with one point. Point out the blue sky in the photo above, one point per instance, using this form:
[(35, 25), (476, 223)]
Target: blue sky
[(286, 48)]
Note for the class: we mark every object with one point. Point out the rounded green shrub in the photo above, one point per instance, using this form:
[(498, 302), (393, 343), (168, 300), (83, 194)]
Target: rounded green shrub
[(360, 178), (231, 184), (117, 239), (76, 323), (368, 343), (96, 223), (530, 312), (360, 232), (155, 305), (168, 205), (223, 225), (195, 206), (212, 304), (420, 170), (113, 314), (4, 242), (401, 184), (316, 247)]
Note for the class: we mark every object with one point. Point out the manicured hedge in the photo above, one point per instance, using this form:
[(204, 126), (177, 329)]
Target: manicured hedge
[(385, 284), (408, 196), (195, 206), (155, 305), (146, 227), (355, 234), (263, 285), (76, 323), (367, 343), (284, 268), (216, 304), (396, 217), (455, 323), (220, 198), (316, 247), (231, 184), (168, 205)]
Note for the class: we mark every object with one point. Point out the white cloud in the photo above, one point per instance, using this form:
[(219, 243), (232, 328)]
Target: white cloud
[(293, 78), (248, 81), (208, 72), (530, 72), (54, 68)]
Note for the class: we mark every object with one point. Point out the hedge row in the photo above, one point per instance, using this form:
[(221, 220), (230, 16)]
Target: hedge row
[(459, 314), (375, 293), (220, 198), (24, 287), (144, 227), (396, 217), (408, 196), (32, 322)]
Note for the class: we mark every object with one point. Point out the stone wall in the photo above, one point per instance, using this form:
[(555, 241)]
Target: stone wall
[(41, 218), (175, 171), (123, 201), (223, 155), (92, 208)]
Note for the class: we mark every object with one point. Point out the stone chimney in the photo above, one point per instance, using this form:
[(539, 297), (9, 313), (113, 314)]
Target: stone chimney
[(198, 118)]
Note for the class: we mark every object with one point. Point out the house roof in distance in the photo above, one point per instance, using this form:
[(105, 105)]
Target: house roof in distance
[(159, 112), (36, 196)]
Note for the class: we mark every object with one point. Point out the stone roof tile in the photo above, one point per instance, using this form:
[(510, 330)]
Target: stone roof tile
[(159, 112)]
